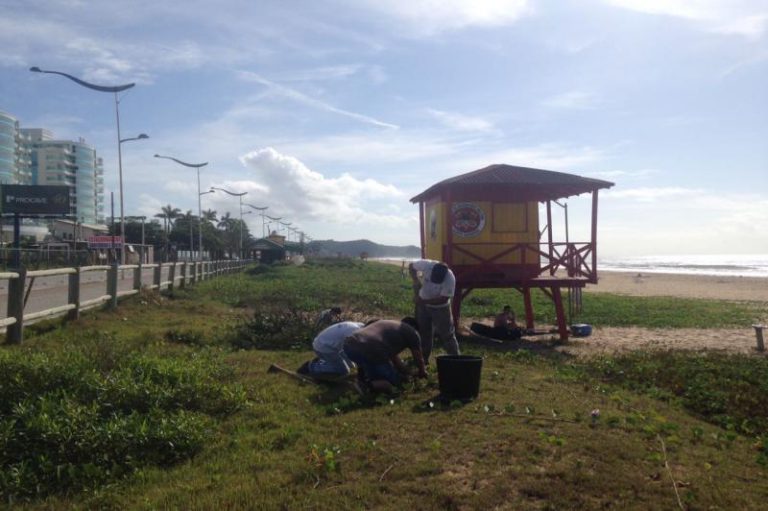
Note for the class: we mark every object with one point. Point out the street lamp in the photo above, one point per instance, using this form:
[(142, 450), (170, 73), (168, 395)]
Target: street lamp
[(240, 198), (261, 210), (199, 200), (142, 218), (273, 220), (113, 89)]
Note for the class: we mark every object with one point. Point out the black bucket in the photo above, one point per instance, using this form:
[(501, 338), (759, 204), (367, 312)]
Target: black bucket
[(459, 377)]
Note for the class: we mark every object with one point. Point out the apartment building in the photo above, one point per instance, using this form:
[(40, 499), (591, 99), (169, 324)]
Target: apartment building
[(69, 163), (33, 156), (15, 152)]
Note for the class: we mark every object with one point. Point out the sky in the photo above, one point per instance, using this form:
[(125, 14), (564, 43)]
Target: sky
[(334, 113)]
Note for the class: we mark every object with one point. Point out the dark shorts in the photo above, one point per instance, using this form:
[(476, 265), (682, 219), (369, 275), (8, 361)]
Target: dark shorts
[(370, 371)]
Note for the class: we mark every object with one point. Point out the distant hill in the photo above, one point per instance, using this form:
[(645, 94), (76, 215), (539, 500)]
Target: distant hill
[(356, 247)]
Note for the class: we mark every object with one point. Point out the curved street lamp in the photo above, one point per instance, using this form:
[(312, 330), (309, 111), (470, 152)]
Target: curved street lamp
[(261, 210), (199, 200), (113, 89), (240, 198), (273, 220)]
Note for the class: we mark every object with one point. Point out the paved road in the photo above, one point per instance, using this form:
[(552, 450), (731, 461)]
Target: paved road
[(52, 291)]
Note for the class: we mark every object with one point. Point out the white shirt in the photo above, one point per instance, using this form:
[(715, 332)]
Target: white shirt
[(431, 290), (331, 340)]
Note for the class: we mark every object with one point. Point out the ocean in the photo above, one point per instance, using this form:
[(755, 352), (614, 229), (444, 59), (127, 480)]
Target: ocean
[(753, 265)]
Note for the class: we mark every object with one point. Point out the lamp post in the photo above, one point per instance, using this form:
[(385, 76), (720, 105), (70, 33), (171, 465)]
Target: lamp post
[(142, 218), (240, 198), (113, 89), (273, 219), (199, 200), (261, 210)]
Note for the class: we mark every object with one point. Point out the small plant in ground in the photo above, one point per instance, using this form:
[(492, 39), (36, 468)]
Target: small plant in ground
[(184, 337), (276, 329), (324, 459)]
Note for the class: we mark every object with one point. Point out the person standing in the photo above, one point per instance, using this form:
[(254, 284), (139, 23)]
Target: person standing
[(376, 349), (432, 295)]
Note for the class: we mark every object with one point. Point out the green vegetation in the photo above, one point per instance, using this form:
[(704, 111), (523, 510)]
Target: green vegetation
[(166, 404)]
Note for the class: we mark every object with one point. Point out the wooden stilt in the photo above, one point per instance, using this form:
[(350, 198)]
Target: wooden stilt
[(562, 327), (528, 307)]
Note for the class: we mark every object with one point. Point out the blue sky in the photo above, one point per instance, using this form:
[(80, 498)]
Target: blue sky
[(334, 113)]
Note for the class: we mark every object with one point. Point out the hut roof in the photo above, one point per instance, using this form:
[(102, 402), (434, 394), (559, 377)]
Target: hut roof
[(266, 244), (509, 182)]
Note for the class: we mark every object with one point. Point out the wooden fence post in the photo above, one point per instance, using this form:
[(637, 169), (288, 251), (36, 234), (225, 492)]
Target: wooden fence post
[(758, 335), (74, 295), (137, 277), (193, 273), (15, 332), (183, 281), (112, 285), (171, 276), (158, 274)]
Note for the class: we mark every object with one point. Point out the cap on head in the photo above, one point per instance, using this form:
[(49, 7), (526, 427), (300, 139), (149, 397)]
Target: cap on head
[(439, 271)]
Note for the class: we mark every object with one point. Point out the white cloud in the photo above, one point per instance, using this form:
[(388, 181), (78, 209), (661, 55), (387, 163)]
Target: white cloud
[(740, 17), (322, 73), (302, 98), (573, 100), (631, 174), (292, 189), (461, 122), (653, 194), (545, 156), (428, 17), (679, 220), (749, 26)]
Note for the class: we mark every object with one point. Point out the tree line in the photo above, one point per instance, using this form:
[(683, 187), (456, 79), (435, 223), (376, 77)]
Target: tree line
[(172, 230)]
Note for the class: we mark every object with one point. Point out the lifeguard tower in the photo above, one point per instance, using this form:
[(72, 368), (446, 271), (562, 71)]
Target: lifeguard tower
[(485, 226)]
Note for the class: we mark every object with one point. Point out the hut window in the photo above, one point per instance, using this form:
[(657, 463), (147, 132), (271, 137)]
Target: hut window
[(510, 217)]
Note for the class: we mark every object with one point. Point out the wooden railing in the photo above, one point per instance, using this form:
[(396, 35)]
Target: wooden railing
[(575, 259), (181, 274)]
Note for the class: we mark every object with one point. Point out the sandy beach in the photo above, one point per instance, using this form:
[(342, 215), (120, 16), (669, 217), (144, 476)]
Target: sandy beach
[(683, 286), (613, 339)]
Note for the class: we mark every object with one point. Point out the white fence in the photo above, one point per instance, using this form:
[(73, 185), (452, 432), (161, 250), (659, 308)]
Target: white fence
[(21, 282)]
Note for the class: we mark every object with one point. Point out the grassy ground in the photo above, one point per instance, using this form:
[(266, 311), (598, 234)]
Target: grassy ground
[(672, 431)]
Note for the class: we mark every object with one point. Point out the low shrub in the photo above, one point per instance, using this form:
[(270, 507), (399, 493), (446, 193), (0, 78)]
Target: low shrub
[(728, 390), (277, 329), (67, 426)]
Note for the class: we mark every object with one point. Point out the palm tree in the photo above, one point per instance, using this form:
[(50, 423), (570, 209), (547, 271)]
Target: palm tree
[(168, 214), (209, 215), (226, 222)]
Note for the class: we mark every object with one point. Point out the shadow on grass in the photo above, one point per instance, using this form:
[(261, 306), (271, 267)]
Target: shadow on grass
[(544, 347)]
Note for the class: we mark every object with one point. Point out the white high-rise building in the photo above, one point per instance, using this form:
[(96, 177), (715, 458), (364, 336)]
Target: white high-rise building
[(15, 152), (70, 163)]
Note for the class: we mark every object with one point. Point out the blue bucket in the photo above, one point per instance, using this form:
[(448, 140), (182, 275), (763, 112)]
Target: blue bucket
[(581, 330)]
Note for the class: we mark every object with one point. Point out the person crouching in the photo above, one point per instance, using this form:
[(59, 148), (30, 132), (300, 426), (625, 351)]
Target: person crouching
[(376, 349), (331, 361)]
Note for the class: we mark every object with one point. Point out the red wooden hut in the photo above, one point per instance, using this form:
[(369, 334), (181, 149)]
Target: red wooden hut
[(485, 226)]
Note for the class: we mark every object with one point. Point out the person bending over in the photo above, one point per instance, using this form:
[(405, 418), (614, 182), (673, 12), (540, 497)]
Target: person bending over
[(331, 361), (376, 351)]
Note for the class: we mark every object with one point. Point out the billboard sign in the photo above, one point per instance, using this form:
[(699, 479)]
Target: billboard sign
[(35, 199), (105, 242)]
